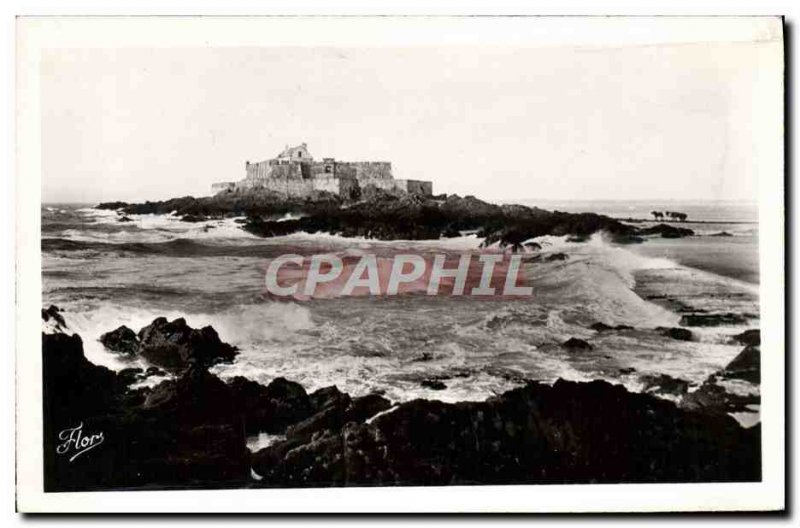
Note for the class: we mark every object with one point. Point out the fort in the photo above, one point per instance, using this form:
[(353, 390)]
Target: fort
[(294, 172)]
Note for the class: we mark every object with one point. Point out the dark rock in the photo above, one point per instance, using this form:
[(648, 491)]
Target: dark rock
[(327, 397), (749, 337), (52, 314), (713, 398), (570, 432), (626, 238), (667, 231), (124, 219), (195, 432), (193, 218), (721, 234), (173, 345), (627, 370), (451, 232), (270, 408), (573, 343), (77, 395), (664, 384), (130, 375), (681, 334), (122, 340), (746, 366), (111, 206), (713, 319), (376, 213), (154, 371), (602, 327), (433, 384), (339, 412), (365, 407), (183, 432), (556, 257)]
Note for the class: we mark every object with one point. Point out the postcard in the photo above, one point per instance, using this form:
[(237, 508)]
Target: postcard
[(464, 264)]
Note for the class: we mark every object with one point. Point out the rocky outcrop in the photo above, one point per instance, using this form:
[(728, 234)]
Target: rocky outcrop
[(433, 384), (335, 414), (193, 218), (602, 327), (714, 397), (386, 216), (664, 384), (667, 231), (190, 431), (746, 366), (174, 345), (573, 343), (271, 408), (52, 320), (681, 334), (714, 319), (185, 431), (748, 337), (123, 340), (570, 432)]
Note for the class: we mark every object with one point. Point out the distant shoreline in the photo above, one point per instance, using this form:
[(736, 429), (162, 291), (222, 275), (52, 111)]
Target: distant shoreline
[(642, 220)]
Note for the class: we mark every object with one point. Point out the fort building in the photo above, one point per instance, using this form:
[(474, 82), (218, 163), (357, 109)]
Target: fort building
[(295, 172)]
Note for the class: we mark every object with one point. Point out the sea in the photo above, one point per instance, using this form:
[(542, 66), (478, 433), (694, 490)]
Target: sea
[(105, 273)]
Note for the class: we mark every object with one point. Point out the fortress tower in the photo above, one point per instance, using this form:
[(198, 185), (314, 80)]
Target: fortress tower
[(294, 172)]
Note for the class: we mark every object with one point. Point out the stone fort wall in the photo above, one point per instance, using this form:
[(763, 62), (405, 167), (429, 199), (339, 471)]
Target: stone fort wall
[(338, 177)]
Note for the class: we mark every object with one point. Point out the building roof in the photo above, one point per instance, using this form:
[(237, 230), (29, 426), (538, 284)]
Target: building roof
[(291, 152)]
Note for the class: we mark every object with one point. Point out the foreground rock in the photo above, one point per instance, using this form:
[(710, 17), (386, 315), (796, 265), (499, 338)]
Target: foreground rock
[(714, 396), (52, 320), (273, 408), (570, 432), (665, 385), (123, 340), (174, 345), (190, 431), (746, 366), (185, 431), (749, 337)]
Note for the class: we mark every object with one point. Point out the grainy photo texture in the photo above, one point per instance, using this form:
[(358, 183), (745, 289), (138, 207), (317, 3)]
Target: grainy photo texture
[(433, 265)]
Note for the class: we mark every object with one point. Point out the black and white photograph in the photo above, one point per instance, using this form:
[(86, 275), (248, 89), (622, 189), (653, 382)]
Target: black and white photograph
[(529, 255)]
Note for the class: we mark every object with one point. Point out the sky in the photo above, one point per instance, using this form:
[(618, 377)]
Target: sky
[(667, 121)]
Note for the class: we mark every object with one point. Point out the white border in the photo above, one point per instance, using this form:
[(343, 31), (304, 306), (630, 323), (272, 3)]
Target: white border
[(34, 35)]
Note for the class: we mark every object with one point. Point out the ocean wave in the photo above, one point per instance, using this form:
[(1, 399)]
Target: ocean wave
[(174, 247), (477, 348), (241, 325), (104, 226)]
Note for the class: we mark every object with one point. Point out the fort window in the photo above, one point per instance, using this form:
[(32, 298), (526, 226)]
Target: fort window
[(328, 168)]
